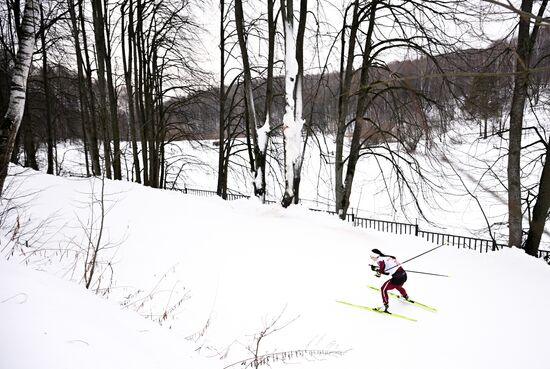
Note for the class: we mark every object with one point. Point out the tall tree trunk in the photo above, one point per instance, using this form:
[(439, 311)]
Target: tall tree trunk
[(87, 92), (81, 85), (251, 119), (299, 95), (346, 74), (160, 131), (127, 63), (101, 55), (540, 211), (50, 140), (222, 168), (18, 90), (14, 158), (151, 121), (139, 85), (90, 138), (85, 140), (26, 134), (265, 131), (292, 119), (361, 108), (113, 105), (525, 42), (113, 109)]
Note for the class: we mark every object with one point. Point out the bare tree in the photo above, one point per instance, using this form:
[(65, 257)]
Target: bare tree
[(384, 113), (527, 36), (160, 41), (12, 120)]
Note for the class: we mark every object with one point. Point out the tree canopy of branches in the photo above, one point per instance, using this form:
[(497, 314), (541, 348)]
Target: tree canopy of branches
[(369, 32)]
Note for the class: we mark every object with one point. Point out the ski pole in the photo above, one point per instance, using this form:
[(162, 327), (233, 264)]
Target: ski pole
[(411, 271), (417, 256), (435, 274)]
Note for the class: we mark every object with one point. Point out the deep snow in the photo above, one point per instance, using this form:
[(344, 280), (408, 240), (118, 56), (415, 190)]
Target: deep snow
[(214, 274)]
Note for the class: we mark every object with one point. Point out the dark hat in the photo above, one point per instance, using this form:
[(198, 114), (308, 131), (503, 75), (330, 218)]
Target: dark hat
[(375, 253)]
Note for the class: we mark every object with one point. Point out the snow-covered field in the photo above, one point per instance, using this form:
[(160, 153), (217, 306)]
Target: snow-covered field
[(186, 282), (463, 191)]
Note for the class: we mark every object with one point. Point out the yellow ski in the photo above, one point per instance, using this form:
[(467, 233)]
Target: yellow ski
[(377, 311)]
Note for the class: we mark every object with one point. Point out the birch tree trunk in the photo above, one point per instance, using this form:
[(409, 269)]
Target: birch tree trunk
[(18, 90), (292, 119)]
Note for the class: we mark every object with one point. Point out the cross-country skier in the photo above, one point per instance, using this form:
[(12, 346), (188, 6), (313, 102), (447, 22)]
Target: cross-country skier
[(387, 264)]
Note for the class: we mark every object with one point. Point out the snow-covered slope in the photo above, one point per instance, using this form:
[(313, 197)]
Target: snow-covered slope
[(215, 274)]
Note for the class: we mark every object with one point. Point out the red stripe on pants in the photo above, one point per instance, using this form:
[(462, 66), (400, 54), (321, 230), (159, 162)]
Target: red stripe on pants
[(390, 286)]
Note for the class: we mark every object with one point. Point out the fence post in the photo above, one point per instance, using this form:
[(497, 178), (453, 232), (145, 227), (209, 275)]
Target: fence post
[(416, 230)]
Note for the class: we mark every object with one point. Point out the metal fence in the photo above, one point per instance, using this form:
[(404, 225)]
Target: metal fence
[(472, 243), (387, 226), (207, 193)]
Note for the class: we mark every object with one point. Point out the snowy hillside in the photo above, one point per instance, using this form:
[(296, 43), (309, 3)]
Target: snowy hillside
[(211, 275)]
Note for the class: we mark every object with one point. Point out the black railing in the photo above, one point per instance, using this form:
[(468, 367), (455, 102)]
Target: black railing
[(387, 226), (349, 217), (461, 241), (483, 245)]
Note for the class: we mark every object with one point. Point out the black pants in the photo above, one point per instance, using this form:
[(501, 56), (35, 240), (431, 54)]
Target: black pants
[(399, 277), (396, 281)]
